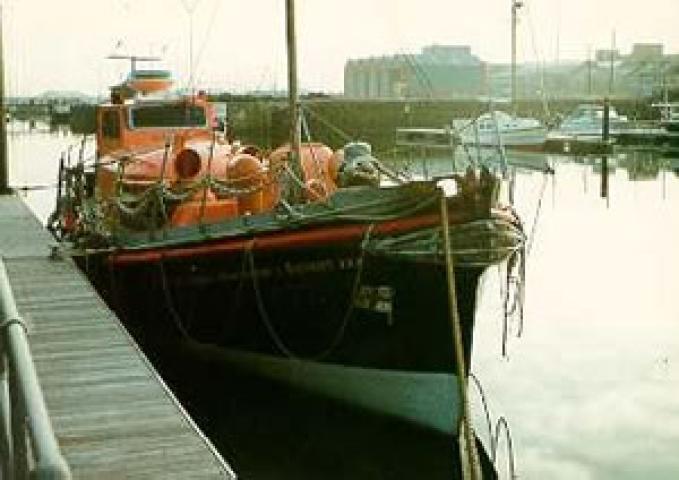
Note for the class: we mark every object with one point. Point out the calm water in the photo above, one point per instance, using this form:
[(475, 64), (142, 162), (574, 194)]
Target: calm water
[(590, 388)]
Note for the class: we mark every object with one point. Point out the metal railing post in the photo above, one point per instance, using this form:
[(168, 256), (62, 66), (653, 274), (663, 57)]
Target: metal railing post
[(30, 419), (5, 420), (18, 425)]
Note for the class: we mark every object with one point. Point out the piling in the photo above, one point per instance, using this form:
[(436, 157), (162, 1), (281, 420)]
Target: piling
[(605, 137)]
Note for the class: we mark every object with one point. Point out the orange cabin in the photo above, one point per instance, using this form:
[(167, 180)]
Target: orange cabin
[(140, 142)]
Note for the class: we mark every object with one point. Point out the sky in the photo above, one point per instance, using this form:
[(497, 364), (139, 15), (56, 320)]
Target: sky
[(239, 45)]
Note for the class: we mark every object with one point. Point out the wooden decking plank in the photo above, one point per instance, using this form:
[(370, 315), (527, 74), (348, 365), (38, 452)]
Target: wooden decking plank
[(112, 415), (22, 234)]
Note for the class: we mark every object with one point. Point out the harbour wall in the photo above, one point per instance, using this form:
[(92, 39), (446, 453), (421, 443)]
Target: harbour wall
[(335, 121)]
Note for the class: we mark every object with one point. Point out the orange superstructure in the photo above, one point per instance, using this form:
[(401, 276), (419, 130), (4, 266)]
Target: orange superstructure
[(177, 143)]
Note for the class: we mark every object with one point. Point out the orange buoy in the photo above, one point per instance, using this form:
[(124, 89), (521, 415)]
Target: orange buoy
[(246, 173)]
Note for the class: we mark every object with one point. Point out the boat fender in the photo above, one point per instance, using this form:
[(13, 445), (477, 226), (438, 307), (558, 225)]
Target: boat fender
[(358, 167), (335, 163), (250, 150), (187, 163), (315, 189), (245, 172)]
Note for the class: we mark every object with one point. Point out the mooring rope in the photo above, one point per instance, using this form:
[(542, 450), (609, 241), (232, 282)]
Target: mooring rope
[(339, 334), (473, 470), (515, 290), (502, 424), (531, 236), (174, 314), (494, 437)]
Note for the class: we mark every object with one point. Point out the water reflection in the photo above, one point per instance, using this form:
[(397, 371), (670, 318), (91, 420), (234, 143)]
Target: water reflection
[(590, 387), (34, 149)]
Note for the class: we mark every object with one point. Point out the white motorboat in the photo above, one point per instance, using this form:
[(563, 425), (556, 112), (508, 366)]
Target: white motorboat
[(495, 128)]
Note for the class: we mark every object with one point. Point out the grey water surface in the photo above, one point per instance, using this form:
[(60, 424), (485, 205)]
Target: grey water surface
[(590, 388)]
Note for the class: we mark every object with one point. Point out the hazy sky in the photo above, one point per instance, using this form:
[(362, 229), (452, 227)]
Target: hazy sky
[(240, 44)]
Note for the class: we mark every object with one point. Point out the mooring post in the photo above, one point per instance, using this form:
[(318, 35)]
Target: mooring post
[(605, 137), (4, 170)]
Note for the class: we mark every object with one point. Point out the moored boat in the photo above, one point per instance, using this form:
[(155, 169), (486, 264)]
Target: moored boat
[(298, 263), (499, 128), (585, 123), (669, 115), (197, 238)]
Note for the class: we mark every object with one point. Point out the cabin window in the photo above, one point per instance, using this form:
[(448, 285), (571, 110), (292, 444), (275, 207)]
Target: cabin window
[(110, 126), (168, 116)]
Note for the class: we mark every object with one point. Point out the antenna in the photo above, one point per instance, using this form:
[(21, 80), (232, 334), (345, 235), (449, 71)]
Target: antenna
[(133, 59), (190, 8)]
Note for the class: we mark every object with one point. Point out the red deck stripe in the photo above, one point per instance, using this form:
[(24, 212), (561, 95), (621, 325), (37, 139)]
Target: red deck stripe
[(327, 235)]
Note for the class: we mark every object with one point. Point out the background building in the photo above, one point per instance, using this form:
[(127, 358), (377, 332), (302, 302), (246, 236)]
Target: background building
[(452, 71), (439, 71)]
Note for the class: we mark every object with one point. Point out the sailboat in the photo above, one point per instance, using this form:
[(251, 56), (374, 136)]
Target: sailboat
[(669, 111), (494, 127), (497, 127), (298, 263)]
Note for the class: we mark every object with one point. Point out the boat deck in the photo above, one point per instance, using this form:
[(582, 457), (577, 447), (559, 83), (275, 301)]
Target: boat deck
[(112, 414)]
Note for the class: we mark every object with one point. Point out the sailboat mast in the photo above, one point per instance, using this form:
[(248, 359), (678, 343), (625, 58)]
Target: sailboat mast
[(293, 94), (611, 78), (516, 4), (589, 71), (4, 165)]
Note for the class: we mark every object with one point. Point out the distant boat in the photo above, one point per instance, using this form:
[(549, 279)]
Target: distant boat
[(60, 113), (669, 115), (586, 123), (497, 127)]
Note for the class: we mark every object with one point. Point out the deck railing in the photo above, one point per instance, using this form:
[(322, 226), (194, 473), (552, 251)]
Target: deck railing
[(28, 446)]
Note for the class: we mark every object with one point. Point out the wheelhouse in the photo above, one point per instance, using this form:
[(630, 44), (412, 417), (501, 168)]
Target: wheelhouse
[(124, 125)]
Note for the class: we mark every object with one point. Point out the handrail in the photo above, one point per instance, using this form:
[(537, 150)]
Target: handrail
[(23, 413)]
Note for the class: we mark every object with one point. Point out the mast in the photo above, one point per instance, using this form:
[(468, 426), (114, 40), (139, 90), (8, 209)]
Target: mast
[(611, 78), (589, 71), (4, 170), (516, 4), (293, 94)]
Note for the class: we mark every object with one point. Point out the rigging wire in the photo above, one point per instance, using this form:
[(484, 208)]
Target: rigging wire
[(540, 63), (339, 132), (536, 215), (411, 62), (213, 17), (190, 8)]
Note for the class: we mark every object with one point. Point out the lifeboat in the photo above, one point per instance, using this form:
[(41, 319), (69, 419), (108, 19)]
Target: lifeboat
[(302, 265)]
